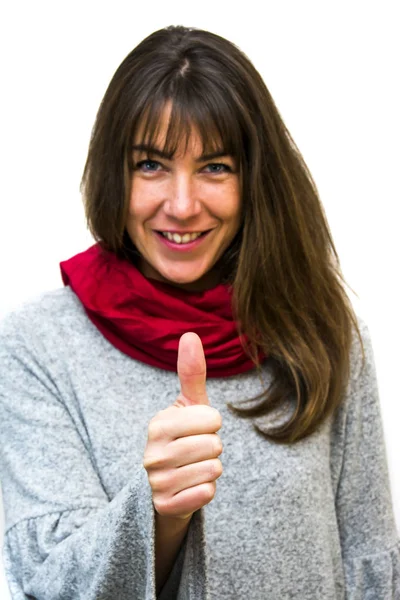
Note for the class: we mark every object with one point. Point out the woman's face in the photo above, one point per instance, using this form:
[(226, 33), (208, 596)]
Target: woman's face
[(186, 193)]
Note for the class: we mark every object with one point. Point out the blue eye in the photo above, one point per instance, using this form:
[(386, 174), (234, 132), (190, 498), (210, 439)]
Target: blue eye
[(148, 166), (218, 168)]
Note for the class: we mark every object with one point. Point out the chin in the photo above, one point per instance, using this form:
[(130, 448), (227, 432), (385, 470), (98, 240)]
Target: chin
[(182, 279), (191, 281)]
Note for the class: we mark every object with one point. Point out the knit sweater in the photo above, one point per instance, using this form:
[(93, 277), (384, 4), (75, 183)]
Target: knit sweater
[(310, 521)]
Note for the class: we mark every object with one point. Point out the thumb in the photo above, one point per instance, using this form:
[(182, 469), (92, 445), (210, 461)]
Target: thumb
[(192, 371)]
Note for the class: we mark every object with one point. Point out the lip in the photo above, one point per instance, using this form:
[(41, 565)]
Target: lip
[(182, 247), (182, 232)]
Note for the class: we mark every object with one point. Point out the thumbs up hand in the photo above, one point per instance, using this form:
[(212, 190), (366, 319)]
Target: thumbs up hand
[(181, 455)]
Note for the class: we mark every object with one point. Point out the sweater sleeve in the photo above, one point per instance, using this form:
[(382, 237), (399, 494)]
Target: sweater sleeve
[(369, 540), (64, 538)]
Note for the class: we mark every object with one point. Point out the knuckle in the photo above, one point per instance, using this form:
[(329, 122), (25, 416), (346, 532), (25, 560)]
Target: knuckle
[(153, 430), (217, 419), (179, 402), (148, 462), (159, 481), (218, 447), (218, 468), (154, 461), (208, 492), (164, 505), (215, 469), (156, 429), (161, 505)]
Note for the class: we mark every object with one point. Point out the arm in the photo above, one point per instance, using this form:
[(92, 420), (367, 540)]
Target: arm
[(64, 537), (170, 533), (369, 541)]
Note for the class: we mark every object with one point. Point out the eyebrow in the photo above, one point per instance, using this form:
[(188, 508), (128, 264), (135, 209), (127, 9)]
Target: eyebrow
[(157, 152)]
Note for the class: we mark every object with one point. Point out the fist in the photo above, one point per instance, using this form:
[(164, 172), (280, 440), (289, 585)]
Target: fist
[(181, 455)]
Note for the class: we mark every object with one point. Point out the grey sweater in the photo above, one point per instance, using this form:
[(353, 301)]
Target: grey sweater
[(310, 521)]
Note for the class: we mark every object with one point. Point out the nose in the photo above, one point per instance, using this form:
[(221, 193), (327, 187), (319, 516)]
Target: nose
[(182, 202)]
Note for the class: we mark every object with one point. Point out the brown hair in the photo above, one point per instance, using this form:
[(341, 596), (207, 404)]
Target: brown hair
[(289, 297)]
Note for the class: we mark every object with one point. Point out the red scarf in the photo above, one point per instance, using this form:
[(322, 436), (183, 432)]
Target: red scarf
[(145, 318)]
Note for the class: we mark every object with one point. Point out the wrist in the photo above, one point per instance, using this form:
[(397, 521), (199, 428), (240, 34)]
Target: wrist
[(172, 525)]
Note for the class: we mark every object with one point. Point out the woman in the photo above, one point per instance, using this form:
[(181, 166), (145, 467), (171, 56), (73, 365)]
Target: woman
[(213, 259)]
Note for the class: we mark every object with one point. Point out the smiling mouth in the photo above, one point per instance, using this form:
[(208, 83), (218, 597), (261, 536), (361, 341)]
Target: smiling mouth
[(202, 233), (169, 236), (180, 245)]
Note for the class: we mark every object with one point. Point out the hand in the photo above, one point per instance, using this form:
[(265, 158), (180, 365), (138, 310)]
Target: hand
[(181, 455)]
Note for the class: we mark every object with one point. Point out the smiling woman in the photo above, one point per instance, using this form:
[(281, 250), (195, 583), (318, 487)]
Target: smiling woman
[(184, 212), (210, 316)]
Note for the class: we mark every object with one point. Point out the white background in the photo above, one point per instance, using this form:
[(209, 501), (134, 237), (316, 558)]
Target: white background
[(333, 70)]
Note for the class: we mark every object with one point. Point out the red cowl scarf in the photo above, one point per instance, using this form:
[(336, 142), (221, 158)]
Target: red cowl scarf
[(145, 318)]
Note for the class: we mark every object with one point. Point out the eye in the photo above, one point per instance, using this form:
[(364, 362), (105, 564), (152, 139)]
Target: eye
[(217, 168), (147, 166)]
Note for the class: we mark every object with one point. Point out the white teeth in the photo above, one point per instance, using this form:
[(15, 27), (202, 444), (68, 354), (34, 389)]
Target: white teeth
[(181, 239)]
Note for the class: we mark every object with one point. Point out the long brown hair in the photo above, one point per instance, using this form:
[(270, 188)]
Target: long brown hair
[(289, 295)]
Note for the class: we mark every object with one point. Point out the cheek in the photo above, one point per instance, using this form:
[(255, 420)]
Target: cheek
[(228, 202), (143, 199)]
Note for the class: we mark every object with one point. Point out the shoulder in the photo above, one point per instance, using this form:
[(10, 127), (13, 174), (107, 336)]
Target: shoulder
[(361, 351), (46, 314), (361, 402)]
